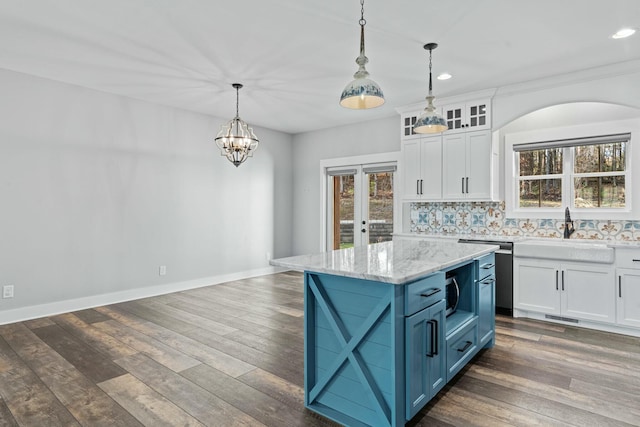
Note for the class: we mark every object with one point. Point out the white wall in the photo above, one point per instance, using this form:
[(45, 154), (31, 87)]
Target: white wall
[(97, 191), (379, 136)]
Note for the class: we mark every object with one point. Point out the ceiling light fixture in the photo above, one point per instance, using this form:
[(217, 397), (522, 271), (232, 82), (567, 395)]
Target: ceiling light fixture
[(444, 76), (430, 121), (236, 139), (624, 32), (362, 92)]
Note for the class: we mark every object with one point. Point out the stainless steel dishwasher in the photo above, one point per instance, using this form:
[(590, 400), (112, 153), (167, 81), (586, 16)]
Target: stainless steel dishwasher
[(504, 274)]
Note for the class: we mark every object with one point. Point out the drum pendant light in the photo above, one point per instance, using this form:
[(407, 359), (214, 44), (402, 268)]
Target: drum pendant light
[(362, 92), (430, 121), (236, 139)]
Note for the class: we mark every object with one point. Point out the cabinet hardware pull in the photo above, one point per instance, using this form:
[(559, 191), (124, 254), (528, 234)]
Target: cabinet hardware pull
[(467, 185), (556, 280), (562, 280), (466, 346), (364, 230), (421, 189), (418, 186), (488, 281), (487, 266), (620, 286), (636, 260), (463, 185), (431, 292), (433, 351)]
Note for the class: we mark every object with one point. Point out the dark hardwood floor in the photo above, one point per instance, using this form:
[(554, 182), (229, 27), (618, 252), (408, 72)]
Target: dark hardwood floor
[(232, 354)]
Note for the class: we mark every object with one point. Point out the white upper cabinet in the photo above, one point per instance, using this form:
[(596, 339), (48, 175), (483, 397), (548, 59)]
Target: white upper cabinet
[(468, 116), (422, 168), (467, 161)]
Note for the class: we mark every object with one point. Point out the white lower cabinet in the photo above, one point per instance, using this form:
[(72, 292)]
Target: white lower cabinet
[(566, 289), (628, 297)]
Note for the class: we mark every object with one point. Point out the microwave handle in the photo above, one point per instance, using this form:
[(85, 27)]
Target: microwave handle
[(457, 288)]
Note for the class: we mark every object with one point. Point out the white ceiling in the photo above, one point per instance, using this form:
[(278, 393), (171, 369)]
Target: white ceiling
[(295, 56)]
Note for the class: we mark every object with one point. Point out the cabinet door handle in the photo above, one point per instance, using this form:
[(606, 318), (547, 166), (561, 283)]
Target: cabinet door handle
[(556, 280), (488, 281), (487, 266), (620, 286), (467, 185), (433, 351), (417, 186), (562, 280), (466, 346), (431, 292), (635, 260), (463, 185), (421, 182)]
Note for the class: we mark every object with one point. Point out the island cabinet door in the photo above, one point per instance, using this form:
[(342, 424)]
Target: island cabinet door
[(425, 359)]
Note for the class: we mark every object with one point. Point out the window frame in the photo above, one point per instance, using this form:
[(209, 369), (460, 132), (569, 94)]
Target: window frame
[(512, 177)]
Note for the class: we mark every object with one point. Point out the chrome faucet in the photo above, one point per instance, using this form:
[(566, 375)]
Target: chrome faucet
[(568, 224)]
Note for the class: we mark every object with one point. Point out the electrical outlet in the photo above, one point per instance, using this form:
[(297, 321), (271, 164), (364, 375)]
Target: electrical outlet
[(7, 291), (162, 270)]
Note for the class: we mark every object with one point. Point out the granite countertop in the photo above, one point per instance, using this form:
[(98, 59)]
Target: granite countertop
[(398, 262)]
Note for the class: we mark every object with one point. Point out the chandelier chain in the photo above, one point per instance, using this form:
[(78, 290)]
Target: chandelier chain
[(237, 102)]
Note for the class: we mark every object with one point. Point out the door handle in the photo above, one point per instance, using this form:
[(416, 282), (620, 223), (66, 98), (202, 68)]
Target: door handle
[(417, 186), (562, 280), (421, 189), (556, 280), (467, 185), (433, 351), (463, 185)]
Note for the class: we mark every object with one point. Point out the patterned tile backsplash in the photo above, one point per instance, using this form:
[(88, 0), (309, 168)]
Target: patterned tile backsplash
[(488, 219)]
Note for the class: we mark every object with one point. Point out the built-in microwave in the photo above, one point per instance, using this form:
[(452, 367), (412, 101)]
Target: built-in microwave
[(453, 295)]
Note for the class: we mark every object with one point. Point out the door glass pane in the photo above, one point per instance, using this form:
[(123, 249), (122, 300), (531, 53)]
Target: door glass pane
[(540, 193), (380, 206), (343, 196)]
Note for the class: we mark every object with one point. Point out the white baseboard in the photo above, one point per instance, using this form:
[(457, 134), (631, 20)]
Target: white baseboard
[(58, 307)]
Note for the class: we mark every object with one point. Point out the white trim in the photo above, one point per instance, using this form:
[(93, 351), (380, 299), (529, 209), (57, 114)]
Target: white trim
[(613, 327), (66, 306)]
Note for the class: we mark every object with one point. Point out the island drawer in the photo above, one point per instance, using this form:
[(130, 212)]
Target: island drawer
[(461, 347), (486, 266), (424, 293)]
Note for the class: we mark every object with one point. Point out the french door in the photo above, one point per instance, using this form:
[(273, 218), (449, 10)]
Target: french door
[(359, 204)]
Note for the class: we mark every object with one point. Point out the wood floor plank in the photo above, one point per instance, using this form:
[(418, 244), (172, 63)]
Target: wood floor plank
[(102, 342), (190, 347), (83, 357), (86, 401), (162, 353), (202, 404), (6, 418), (90, 316), (251, 401), (145, 404), (614, 411)]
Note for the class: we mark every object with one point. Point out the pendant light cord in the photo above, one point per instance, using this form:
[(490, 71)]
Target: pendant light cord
[(362, 23), (430, 83), (237, 102)]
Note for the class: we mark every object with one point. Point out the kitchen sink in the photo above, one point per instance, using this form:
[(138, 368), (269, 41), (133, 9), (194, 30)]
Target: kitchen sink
[(566, 250)]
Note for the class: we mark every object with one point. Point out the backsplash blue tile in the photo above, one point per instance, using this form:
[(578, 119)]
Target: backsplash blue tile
[(488, 219)]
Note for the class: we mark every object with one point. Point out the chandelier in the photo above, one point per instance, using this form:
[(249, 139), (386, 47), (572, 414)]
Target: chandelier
[(430, 121), (236, 139)]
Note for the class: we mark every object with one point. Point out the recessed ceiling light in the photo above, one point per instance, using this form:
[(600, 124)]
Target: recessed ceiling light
[(625, 32), (444, 76)]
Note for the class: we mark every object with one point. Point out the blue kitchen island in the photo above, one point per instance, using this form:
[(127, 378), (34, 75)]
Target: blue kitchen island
[(384, 330)]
